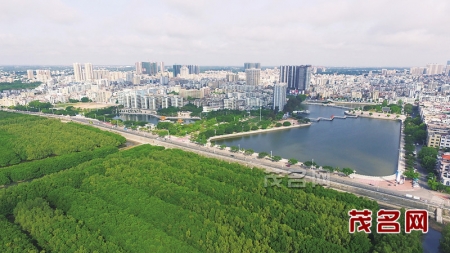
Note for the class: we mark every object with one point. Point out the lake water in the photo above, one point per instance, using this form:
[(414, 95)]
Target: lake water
[(139, 117), (430, 241), (369, 146), (147, 118)]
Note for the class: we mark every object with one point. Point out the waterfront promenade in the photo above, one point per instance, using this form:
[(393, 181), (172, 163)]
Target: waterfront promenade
[(376, 115), (225, 136)]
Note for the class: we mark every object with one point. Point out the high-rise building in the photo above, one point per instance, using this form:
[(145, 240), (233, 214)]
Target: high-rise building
[(88, 72), (252, 65), (296, 77), (43, 75), (375, 95), (129, 77), (184, 71), (253, 76), (176, 70), (149, 68), (145, 68), (279, 96), (417, 71), (232, 77), (138, 66), (194, 69), (77, 72), (101, 74), (435, 69), (136, 79), (161, 67), (164, 79), (30, 74), (153, 68), (447, 70)]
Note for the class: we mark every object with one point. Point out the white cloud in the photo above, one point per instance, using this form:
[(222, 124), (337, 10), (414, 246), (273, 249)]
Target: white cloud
[(206, 32), (54, 11)]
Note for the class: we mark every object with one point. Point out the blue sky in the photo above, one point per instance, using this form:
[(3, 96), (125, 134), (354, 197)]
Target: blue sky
[(210, 32)]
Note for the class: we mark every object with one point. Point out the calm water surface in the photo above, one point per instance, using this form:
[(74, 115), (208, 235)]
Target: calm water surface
[(139, 117), (369, 146), (430, 241), (145, 117)]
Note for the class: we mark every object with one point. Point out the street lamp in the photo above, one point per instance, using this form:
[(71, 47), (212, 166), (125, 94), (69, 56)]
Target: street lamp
[(239, 145)]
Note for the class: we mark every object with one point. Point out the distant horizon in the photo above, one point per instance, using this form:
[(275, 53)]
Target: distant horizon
[(239, 66)]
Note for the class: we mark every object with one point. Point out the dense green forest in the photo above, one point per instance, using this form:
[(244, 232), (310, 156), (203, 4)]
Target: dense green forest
[(151, 199), (37, 106), (17, 85), (27, 138)]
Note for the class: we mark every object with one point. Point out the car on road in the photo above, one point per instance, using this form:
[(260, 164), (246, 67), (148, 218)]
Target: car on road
[(232, 155)]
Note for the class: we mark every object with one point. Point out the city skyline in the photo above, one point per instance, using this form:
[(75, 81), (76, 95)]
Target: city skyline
[(328, 33)]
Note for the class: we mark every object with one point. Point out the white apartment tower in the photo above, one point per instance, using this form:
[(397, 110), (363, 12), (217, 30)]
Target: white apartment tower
[(435, 69), (279, 96), (138, 66), (89, 72), (184, 71), (447, 70), (30, 74), (77, 72), (43, 75), (253, 76)]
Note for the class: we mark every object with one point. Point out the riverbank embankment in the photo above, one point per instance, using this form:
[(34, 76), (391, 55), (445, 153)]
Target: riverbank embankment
[(226, 136), (375, 115)]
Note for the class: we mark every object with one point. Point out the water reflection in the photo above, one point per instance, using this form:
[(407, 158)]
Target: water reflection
[(147, 118)]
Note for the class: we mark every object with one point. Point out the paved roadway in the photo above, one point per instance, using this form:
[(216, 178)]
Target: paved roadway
[(380, 194)]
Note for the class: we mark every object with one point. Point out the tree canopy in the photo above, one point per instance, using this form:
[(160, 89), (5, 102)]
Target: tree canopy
[(144, 199), (18, 85), (26, 138), (152, 199)]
